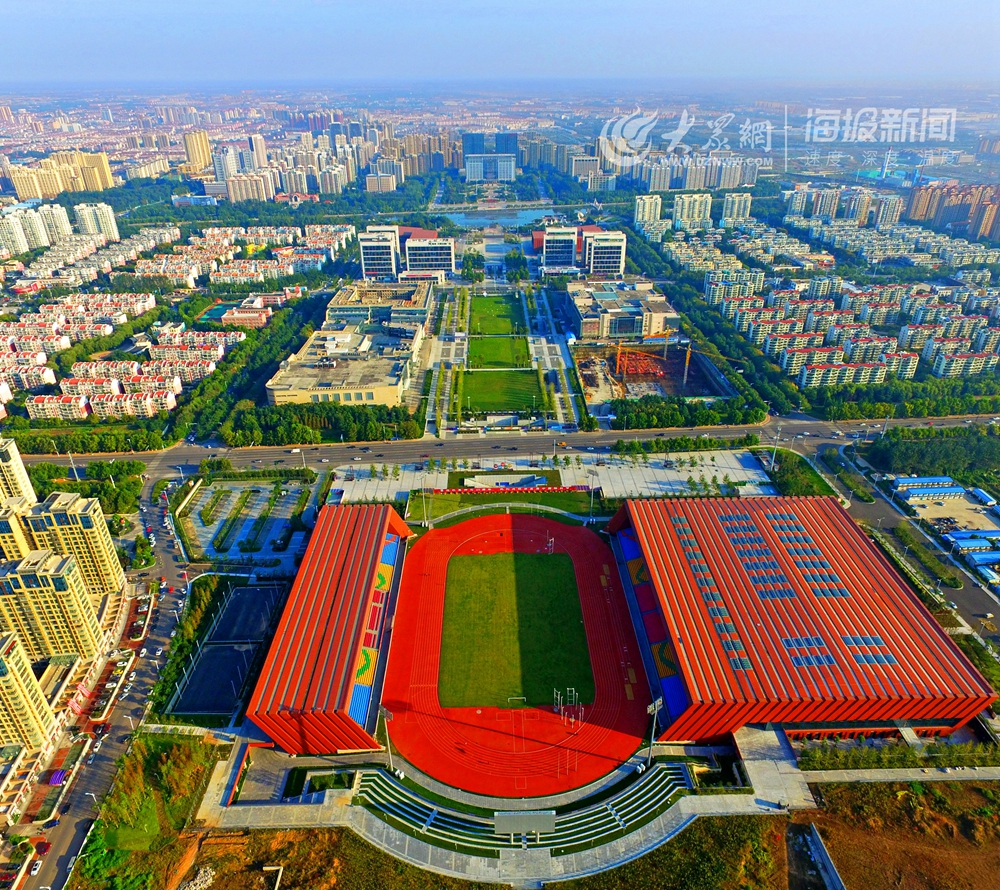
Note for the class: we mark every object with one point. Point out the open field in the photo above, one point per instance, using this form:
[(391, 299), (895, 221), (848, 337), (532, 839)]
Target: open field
[(496, 314), (938, 836), (512, 627), (498, 352), (498, 391)]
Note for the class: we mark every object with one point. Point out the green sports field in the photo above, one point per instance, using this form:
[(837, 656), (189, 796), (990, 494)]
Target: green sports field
[(493, 391), (496, 314), (512, 627), (498, 352)]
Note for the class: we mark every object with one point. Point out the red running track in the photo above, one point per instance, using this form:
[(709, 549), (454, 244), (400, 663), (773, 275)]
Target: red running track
[(518, 752)]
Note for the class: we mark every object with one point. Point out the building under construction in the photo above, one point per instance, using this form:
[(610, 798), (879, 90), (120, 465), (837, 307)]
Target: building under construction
[(636, 371)]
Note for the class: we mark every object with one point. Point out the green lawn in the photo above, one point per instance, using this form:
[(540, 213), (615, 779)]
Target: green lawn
[(494, 391), (512, 627), (498, 352), (496, 314)]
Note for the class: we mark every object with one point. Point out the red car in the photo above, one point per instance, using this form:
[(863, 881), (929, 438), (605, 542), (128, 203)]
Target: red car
[(149, 529), (42, 848)]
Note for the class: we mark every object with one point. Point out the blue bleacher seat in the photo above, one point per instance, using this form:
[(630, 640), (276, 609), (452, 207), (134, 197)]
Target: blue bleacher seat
[(361, 697)]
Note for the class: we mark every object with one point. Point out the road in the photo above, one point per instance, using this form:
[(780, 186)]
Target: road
[(94, 779), (802, 433)]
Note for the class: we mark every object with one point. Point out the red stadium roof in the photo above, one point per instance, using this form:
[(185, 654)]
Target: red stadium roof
[(781, 610), (304, 691)]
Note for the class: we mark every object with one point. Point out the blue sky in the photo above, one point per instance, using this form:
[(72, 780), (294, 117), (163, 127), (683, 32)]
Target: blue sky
[(261, 43)]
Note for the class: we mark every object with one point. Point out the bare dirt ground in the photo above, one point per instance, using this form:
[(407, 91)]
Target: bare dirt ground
[(937, 836)]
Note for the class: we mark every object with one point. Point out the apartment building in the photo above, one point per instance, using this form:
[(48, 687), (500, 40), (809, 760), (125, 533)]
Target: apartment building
[(865, 373), (963, 364), (900, 364), (43, 600), (26, 718), (14, 481), (68, 524), (57, 407), (794, 360)]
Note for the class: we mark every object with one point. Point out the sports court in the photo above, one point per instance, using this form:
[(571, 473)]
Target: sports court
[(515, 749), (230, 652)]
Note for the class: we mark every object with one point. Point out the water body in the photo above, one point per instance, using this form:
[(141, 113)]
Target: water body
[(479, 219)]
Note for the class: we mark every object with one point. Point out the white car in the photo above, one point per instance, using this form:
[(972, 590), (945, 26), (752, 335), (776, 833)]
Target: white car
[(131, 677), (36, 866), (111, 684), (97, 744), (159, 651), (143, 652)]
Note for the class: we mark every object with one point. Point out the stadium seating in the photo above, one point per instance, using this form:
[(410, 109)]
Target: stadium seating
[(640, 802)]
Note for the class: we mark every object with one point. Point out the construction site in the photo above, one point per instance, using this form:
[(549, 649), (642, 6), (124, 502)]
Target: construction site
[(614, 372)]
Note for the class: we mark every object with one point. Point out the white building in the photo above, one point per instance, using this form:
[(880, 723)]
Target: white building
[(97, 219), (647, 209), (604, 253)]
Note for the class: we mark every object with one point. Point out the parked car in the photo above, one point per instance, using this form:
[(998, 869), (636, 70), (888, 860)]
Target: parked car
[(159, 651), (52, 823), (36, 867), (42, 847), (142, 652)]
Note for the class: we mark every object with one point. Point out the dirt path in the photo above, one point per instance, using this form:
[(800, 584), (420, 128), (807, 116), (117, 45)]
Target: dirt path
[(185, 863)]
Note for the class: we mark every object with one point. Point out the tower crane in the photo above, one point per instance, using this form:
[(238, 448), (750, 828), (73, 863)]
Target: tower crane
[(687, 359)]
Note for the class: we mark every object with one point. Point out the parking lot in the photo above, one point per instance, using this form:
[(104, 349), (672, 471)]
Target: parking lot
[(948, 514)]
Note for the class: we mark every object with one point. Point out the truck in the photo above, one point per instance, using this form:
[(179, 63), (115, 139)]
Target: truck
[(295, 451)]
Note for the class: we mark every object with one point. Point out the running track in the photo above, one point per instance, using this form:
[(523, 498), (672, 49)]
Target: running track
[(519, 752)]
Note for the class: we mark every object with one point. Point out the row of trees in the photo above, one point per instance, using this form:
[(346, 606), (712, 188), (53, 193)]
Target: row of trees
[(654, 412), (116, 484), (909, 398), (964, 452)]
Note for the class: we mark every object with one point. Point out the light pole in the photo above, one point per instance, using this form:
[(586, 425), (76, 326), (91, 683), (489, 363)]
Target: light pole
[(97, 803), (592, 472), (774, 453), (386, 715), (653, 710)]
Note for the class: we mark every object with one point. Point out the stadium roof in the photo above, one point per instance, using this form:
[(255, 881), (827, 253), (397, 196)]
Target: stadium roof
[(302, 700), (781, 609)]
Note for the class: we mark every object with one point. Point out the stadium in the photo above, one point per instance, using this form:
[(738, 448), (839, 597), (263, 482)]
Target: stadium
[(512, 655)]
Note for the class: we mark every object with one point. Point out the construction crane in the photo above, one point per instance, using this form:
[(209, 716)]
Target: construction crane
[(621, 369)]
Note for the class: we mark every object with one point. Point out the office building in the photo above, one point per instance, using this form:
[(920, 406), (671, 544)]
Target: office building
[(473, 144), (506, 144), (601, 182), (581, 166), (379, 253), (430, 254), (26, 718), (97, 219), (380, 183), (559, 247), (44, 601), (693, 211), (14, 481), (490, 168), (735, 209), (70, 525), (197, 149), (604, 253)]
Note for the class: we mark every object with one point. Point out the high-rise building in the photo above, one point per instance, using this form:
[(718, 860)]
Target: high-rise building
[(693, 211), (12, 235), (259, 148), (735, 209), (647, 209), (97, 219), (507, 144), (890, 208), (859, 202), (56, 222), (197, 149), (14, 481), (604, 253), (581, 166), (44, 601), (795, 202), (226, 163), (983, 220), (34, 229), (825, 203), (249, 187), (26, 718), (559, 247), (72, 526), (473, 144), (379, 252)]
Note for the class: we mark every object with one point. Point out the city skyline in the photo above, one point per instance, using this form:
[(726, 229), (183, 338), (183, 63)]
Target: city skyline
[(327, 44)]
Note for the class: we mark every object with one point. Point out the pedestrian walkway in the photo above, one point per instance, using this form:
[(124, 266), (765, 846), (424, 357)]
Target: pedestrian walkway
[(772, 768), (909, 774)]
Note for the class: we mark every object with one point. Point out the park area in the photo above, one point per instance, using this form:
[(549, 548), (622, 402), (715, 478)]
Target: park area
[(496, 314), (493, 392), (499, 352), (513, 632)]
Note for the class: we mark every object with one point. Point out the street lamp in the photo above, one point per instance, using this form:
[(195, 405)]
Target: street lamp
[(653, 710)]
